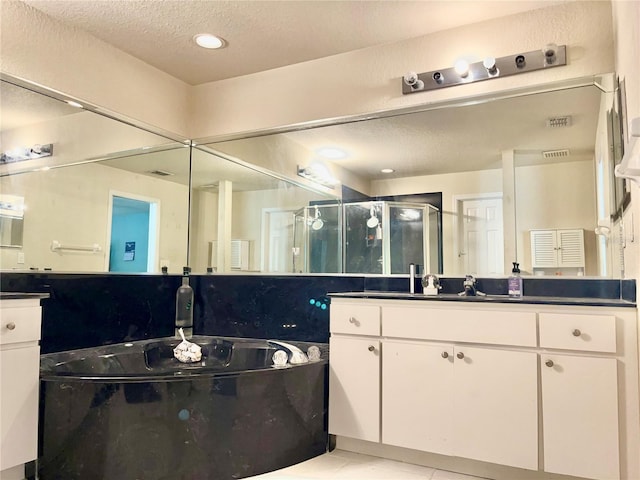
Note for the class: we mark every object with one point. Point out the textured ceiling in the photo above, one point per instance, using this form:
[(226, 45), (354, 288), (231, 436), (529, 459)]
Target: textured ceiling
[(263, 35)]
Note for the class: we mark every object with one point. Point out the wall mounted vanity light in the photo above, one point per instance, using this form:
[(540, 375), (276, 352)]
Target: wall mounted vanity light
[(26, 153), (548, 57), (319, 174)]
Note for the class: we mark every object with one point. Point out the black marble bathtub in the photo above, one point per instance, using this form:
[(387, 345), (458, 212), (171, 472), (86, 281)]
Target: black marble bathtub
[(131, 411)]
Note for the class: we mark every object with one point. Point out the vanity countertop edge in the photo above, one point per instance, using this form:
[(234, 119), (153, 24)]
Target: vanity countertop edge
[(492, 299)]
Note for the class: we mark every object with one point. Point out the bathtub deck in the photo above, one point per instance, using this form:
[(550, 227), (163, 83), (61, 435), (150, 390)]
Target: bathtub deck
[(341, 464)]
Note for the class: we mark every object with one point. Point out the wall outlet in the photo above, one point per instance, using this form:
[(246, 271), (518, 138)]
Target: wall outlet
[(20, 258)]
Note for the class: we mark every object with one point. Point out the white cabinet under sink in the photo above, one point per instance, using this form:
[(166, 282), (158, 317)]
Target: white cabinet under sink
[(546, 389), (19, 384)]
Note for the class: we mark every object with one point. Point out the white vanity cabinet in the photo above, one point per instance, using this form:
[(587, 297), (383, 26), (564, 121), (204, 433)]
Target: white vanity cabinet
[(460, 399), (19, 384), (551, 389), (580, 395), (354, 376)]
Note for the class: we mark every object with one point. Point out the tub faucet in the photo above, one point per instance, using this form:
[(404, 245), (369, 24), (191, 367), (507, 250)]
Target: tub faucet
[(184, 305)]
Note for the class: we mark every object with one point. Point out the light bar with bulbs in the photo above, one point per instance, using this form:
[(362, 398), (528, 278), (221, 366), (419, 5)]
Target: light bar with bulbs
[(548, 57)]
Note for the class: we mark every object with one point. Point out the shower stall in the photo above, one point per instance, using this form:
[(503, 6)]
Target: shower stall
[(372, 237)]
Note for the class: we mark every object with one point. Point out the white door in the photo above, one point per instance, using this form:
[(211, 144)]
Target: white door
[(277, 246), (481, 245), (495, 401), (417, 389), (354, 383)]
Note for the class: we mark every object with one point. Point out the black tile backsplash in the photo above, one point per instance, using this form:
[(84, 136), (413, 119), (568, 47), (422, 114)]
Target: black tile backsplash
[(86, 310)]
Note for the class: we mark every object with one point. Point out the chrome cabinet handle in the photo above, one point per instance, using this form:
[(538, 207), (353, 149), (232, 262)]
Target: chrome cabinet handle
[(352, 320), (460, 355), (445, 354), (11, 326), (371, 348), (576, 333), (549, 363)]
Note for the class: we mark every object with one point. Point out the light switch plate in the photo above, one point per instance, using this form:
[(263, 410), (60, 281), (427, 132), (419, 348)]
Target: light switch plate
[(20, 258)]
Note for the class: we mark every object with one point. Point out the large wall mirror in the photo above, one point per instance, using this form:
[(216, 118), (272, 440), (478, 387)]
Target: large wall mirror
[(524, 177), (84, 192)]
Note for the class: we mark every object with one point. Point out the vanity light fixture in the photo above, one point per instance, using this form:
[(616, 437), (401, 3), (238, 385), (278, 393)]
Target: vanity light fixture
[(20, 154), (550, 56), (319, 174), (212, 42), (490, 64), (462, 68)]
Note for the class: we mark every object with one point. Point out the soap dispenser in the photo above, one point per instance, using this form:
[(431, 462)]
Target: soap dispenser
[(515, 281)]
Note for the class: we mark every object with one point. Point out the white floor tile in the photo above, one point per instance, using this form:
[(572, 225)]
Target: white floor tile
[(344, 465)]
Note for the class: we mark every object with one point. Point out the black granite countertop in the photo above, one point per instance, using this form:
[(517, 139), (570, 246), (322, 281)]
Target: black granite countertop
[(22, 295), (488, 299)]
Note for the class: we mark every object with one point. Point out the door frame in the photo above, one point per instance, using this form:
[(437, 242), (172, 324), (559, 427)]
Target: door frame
[(153, 255), (458, 227)]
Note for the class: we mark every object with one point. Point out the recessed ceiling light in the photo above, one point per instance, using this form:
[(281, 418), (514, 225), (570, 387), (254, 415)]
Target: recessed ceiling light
[(206, 40), (332, 153), (387, 170), (74, 104)]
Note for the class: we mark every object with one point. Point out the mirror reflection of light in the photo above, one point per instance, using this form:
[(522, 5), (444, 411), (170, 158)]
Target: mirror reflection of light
[(409, 214), (332, 153)]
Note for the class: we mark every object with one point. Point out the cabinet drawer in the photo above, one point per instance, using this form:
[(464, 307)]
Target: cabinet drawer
[(355, 319), (592, 333), (20, 324), (470, 326)]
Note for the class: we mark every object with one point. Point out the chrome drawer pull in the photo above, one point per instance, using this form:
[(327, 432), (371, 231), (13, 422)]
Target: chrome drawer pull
[(445, 354), (460, 355), (371, 348), (549, 363), (11, 326), (576, 333), (352, 320)]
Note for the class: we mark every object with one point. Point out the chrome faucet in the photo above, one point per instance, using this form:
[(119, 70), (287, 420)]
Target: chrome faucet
[(470, 285)]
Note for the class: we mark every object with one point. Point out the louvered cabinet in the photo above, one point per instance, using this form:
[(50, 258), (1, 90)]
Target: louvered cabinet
[(557, 249)]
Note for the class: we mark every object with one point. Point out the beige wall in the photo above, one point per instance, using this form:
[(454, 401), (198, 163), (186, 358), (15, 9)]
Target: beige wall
[(555, 196), (71, 205), (37, 48), (369, 80)]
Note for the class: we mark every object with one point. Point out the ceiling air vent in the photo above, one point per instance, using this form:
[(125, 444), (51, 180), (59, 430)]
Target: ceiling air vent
[(556, 122), (160, 173), (555, 153)]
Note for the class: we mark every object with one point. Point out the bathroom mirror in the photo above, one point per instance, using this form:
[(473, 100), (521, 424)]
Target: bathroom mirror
[(107, 197), (246, 220), (506, 166)]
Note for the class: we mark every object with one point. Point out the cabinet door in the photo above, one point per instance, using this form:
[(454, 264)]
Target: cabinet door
[(580, 416), (570, 248), (496, 406), (354, 387), (544, 252), (19, 399), (417, 385)]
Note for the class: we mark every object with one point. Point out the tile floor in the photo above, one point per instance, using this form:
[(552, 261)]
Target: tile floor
[(344, 465)]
